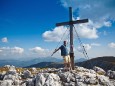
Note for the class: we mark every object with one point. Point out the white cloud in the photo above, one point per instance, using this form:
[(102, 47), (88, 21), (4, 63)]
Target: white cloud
[(107, 23), (0, 50), (17, 50), (111, 45), (11, 51), (40, 52), (86, 46), (5, 39), (100, 13), (93, 9), (5, 49), (87, 9), (56, 34), (87, 30), (37, 49), (95, 44)]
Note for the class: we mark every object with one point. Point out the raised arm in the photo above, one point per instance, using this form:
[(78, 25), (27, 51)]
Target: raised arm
[(55, 51)]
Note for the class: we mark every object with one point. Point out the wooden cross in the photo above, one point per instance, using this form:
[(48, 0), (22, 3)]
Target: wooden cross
[(70, 23)]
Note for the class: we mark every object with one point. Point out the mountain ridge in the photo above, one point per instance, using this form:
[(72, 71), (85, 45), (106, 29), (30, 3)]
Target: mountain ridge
[(24, 63), (106, 62)]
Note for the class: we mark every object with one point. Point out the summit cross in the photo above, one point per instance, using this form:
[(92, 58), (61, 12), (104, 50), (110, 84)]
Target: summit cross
[(70, 23)]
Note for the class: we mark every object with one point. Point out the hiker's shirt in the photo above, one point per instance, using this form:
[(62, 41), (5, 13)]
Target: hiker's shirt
[(64, 51)]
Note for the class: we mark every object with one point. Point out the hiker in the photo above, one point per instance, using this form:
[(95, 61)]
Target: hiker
[(65, 55)]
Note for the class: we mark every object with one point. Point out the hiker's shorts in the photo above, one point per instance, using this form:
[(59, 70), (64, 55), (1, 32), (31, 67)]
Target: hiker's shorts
[(66, 59)]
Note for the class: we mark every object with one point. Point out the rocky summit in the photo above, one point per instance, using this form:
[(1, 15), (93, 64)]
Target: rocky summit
[(12, 76)]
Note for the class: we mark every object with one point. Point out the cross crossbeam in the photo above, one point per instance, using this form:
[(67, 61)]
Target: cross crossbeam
[(70, 23)]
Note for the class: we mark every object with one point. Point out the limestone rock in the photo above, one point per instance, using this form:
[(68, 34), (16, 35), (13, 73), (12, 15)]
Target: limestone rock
[(99, 70)]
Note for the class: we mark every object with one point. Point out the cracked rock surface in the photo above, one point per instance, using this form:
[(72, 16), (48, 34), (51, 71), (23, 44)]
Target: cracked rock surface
[(58, 77)]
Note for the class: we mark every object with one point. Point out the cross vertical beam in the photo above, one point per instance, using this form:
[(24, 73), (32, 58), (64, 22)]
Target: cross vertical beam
[(70, 23), (71, 39)]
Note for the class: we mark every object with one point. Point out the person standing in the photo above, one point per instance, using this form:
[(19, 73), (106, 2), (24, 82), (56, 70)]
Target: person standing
[(65, 55)]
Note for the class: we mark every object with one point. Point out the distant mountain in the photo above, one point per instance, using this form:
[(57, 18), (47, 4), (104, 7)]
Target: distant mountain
[(105, 62), (80, 60), (47, 65), (53, 64), (12, 62), (19, 63)]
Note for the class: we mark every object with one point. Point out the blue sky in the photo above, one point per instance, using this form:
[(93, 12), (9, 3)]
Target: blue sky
[(27, 27)]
